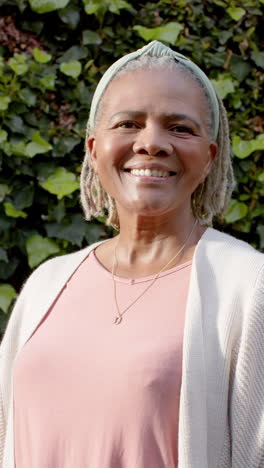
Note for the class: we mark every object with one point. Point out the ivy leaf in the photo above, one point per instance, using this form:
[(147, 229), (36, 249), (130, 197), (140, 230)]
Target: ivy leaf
[(99, 7), (91, 37), (61, 183), (224, 85), (3, 136), (258, 58), (236, 13), (70, 16), (71, 230), (16, 124), (243, 148), (27, 96), (3, 255), (18, 64), (10, 210), (74, 53), (41, 56), (39, 248), (18, 150), (260, 179), (48, 81), (4, 102), (1, 65), (168, 33), (37, 146), (72, 68), (4, 190), (7, 294), (45, 6), (237, 210)]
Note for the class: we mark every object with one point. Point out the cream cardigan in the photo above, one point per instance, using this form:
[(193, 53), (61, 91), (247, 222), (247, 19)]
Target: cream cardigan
[(221, 422)]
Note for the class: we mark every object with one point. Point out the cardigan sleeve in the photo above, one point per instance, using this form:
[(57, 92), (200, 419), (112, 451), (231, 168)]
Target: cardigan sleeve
[(2, 430), (247, 397)]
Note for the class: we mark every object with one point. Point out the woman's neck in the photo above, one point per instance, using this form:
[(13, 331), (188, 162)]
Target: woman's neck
[(144, 247)]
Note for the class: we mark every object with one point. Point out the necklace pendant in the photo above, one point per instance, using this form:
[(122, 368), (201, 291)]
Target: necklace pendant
[(118, 320)]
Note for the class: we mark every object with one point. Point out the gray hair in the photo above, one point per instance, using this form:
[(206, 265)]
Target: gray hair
[(209, 199)]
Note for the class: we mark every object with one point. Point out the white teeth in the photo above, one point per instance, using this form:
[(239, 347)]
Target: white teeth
[(149, 173)]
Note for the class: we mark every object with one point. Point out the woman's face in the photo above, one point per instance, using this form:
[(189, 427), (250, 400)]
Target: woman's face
[(151, 147)]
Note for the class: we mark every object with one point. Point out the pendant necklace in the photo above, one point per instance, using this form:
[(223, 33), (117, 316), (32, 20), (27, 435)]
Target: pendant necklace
[(119, 317)]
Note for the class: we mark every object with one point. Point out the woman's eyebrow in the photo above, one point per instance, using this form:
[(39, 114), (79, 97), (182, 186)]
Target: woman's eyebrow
[(126, 113), (170, 116)]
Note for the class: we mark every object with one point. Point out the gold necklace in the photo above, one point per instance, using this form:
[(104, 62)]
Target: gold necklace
[(119, 317)]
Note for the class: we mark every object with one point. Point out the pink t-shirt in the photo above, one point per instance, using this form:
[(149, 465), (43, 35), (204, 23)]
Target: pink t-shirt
[(92, 394)]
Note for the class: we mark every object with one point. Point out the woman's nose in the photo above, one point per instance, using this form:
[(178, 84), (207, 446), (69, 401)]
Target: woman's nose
[(152, 142)]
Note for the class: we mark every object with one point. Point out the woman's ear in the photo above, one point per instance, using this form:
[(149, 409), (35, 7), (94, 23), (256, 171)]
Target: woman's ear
[(212, 155), (91, 146)]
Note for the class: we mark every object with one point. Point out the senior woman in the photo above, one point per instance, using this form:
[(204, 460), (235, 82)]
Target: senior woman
[(145, 351)]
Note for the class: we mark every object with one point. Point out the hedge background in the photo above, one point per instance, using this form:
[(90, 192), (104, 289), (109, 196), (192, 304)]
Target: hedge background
[(52, 54)]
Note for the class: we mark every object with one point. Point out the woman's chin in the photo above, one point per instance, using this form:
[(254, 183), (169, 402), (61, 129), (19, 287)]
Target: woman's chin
[(151, 209)]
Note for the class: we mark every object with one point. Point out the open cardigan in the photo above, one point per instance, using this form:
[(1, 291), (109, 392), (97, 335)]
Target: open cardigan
[(221, 422)]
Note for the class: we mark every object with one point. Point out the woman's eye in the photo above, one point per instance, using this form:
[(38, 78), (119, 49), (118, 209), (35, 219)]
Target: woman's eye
[(181, 129), (127, 124)]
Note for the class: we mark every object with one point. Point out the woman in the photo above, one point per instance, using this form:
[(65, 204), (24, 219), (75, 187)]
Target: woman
[(145, 351)]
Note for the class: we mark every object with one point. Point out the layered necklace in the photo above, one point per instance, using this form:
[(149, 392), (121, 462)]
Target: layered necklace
[(119, 316)]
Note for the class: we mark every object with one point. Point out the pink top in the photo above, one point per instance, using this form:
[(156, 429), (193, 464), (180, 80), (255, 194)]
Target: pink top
[(88, 393)]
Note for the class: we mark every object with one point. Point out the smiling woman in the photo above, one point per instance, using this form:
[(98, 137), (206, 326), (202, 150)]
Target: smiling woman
[(214, 194), (146, 350)]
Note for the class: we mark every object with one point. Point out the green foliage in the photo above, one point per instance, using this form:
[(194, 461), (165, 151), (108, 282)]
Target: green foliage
[(72, 68), (243, 148), (61, 183), (38, 249), (236, 13), (7, 294), (168, 33), (52, 54), (45, 6)]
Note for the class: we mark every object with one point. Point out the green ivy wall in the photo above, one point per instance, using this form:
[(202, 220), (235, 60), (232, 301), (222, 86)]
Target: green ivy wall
[(52, 54)]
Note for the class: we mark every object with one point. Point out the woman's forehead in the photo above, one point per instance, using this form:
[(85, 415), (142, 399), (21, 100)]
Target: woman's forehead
[(158, 91)]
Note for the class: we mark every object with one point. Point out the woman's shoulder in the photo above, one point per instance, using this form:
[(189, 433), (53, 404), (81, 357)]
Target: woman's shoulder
[(64, 262), (52, 274), (221, 241), (230, 256)]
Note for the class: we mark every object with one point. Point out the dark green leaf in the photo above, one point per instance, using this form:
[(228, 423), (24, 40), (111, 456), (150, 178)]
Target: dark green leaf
[(237, 210), (260, 231), (3, 255), (70, 16), (258, 58), (39, 248), (91, 37), (72, 231), (8, 269), (28, 96), (74, 53)]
